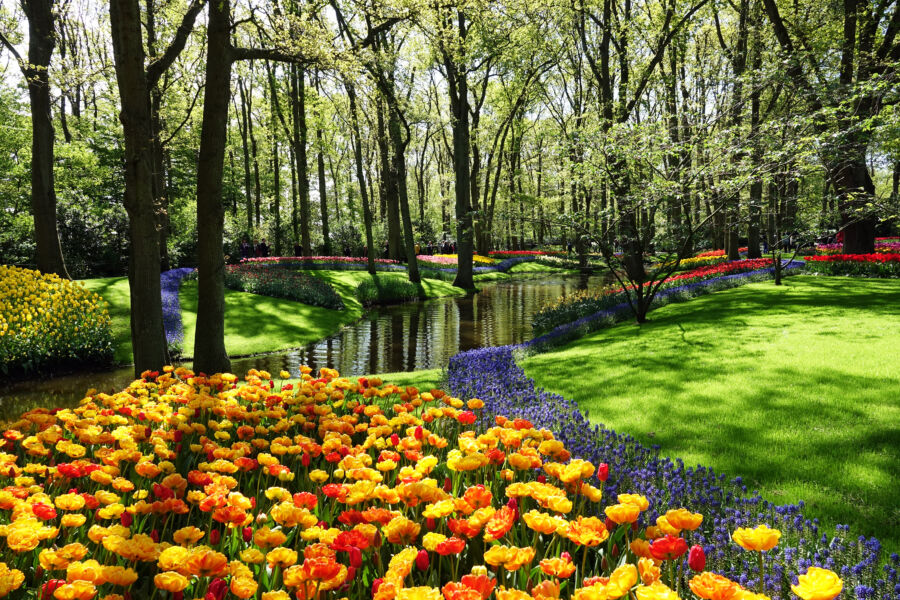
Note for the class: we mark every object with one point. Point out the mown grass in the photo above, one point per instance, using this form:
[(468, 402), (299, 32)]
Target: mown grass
[(116, 292), (255, 324), (795, 388)]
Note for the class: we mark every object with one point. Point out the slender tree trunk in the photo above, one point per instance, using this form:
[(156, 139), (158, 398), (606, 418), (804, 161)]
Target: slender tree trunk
[(298, 93), (398, 167), (390, 188), (323, 198), (209, 343), (361, 179), (147, 330), (245, 145), (276, 171)]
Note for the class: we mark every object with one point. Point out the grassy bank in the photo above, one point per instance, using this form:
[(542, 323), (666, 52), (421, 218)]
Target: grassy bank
[(253, 323), (795, 388), (115, 291)]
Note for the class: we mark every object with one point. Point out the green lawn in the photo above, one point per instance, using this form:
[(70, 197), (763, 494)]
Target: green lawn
[(796, 388), (115, 291), (253, 323), (533, 267)]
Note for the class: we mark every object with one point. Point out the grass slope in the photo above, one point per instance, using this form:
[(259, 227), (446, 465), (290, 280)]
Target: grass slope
[(255, 324), (796, 388), (115, 291)]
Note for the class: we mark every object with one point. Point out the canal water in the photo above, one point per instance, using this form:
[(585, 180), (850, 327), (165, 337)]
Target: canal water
[(403, 337)]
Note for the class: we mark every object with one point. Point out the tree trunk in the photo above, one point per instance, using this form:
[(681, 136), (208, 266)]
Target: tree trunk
[(854, 188), (361, 179), (41, 16), (459, 115), (209, 343), (398, 166), (390, 189), (276, 171), (298, 93), (160, 187), (323, 199), (147, 330), (245, 146)]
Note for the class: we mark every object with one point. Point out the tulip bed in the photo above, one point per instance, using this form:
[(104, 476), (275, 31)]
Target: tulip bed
[(866, 265), (184, 485), (47, 322)]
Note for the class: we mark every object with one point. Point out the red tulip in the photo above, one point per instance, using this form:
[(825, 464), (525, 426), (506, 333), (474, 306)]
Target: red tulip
[(603, 471), (697, 558), (668, 548), (422, 560)]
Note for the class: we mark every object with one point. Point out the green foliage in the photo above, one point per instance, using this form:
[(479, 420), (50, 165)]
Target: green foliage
[(282, 282), (387, 290)]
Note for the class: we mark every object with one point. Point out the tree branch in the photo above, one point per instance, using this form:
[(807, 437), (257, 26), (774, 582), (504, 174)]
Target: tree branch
[(13, 50), (238, 53), (159, 66)]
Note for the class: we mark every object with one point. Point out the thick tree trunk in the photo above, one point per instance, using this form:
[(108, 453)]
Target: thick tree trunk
[(41, 40), (854, 189), (147, 330), (459, 116), (209, 343)]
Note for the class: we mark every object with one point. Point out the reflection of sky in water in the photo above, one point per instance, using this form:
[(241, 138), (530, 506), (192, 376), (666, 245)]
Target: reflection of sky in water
[(406, 337)]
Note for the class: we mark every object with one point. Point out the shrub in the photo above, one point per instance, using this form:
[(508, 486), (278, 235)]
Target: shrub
[(864, 265), (47, 322), (387, 290), (282, 283)]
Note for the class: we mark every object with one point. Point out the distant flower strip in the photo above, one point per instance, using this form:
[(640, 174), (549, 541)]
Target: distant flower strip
[(865, 265), (881, 246), (317, 259), (509, 253), (170, 284)]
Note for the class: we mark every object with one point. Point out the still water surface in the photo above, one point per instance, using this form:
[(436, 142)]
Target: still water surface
[(404, 337)]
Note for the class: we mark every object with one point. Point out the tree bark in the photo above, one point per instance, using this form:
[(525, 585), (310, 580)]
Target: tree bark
[(459, 115), (147, 330), (323, 198), (41, 41), (361, 179), (298, 92), (209, 343)]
